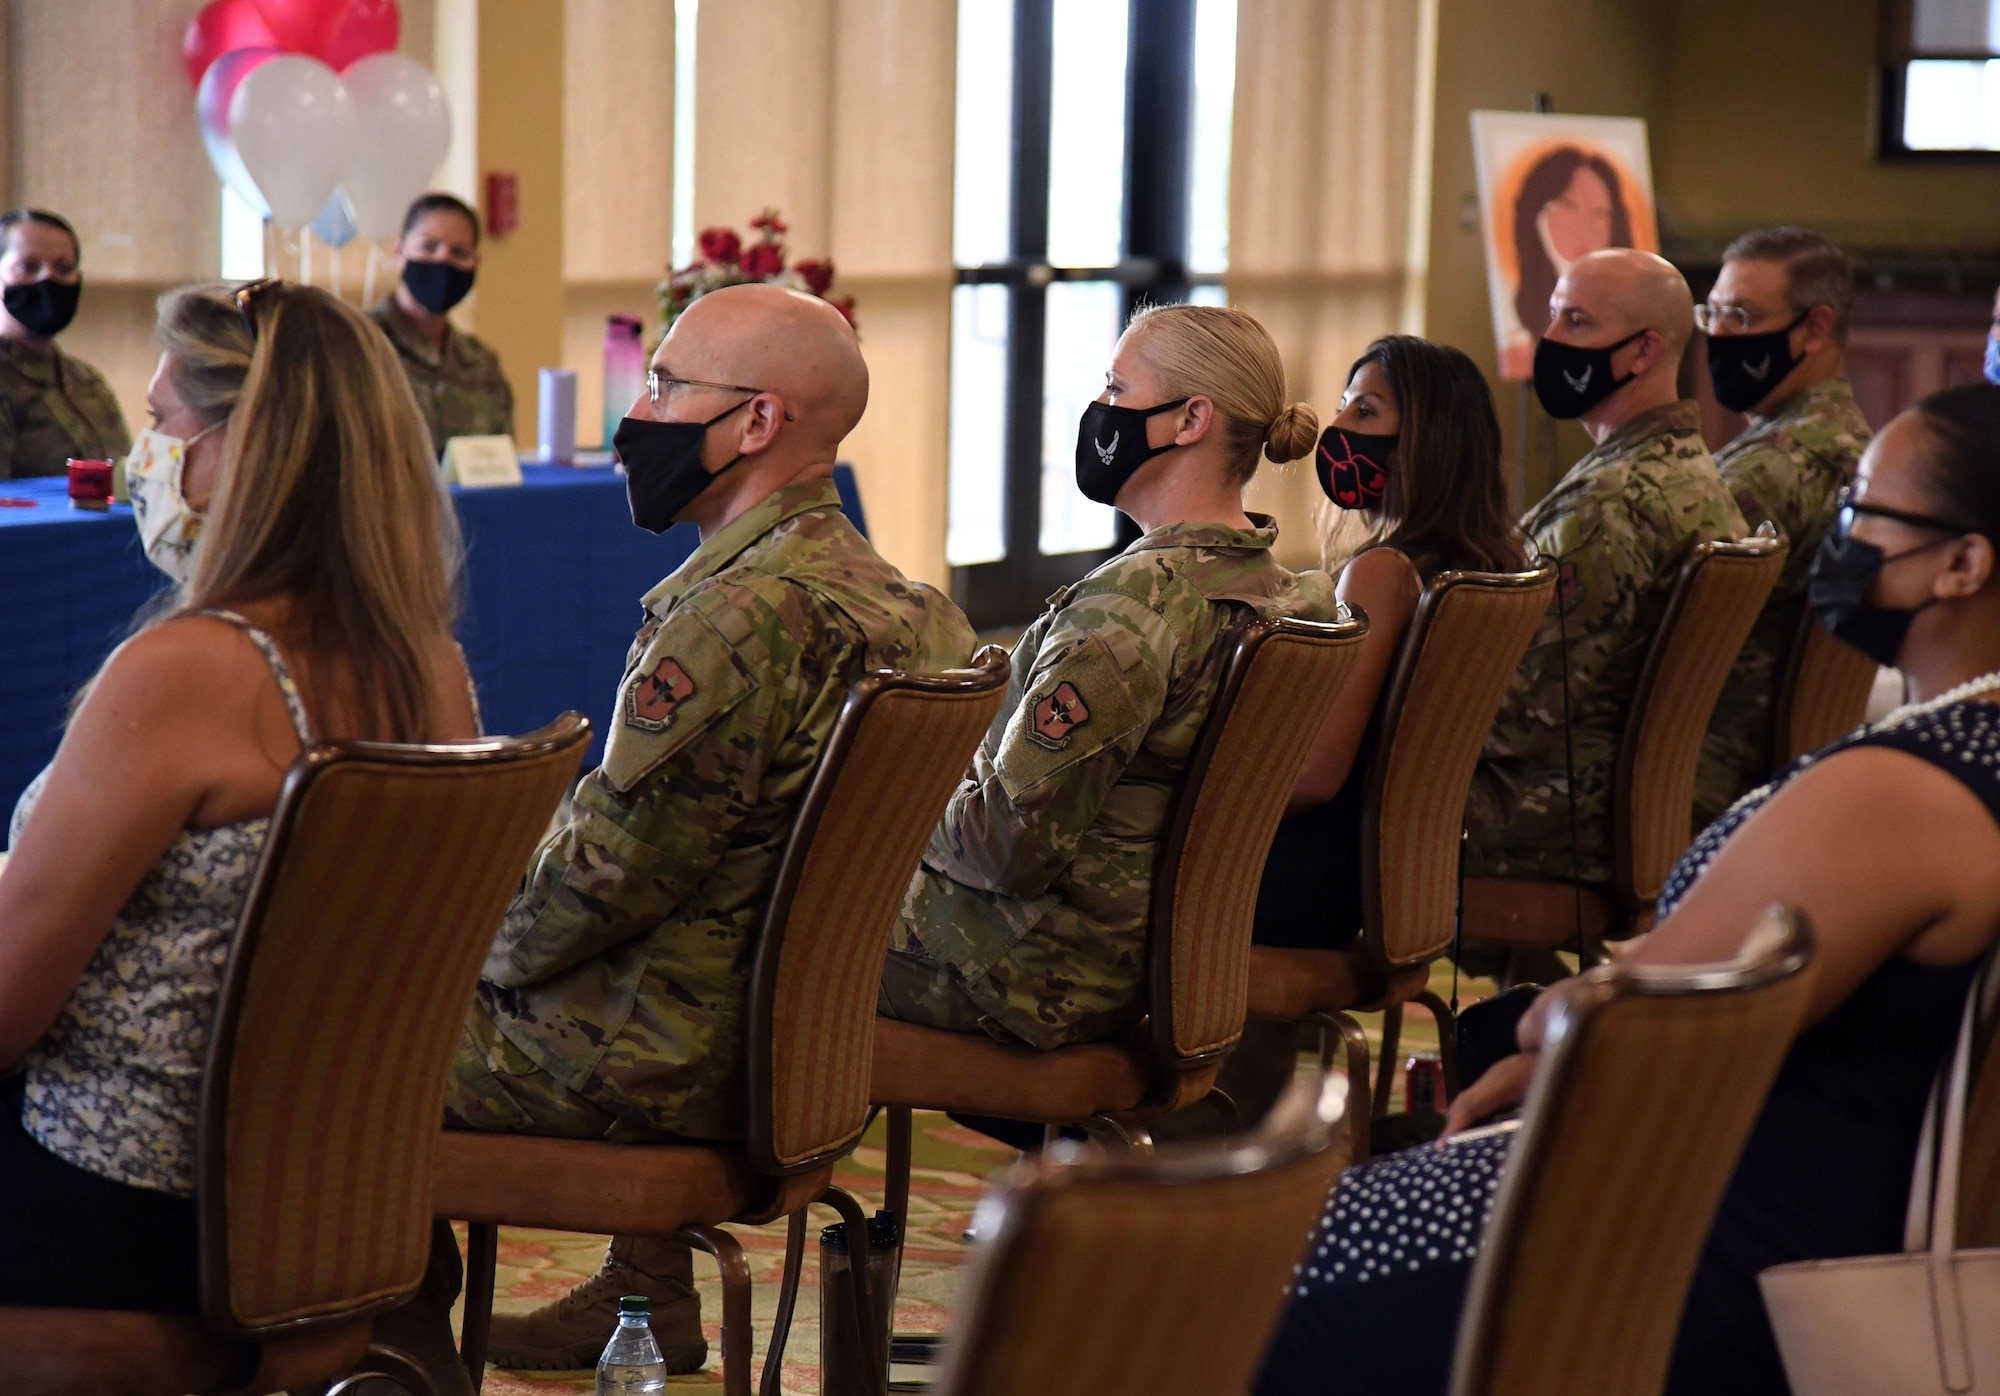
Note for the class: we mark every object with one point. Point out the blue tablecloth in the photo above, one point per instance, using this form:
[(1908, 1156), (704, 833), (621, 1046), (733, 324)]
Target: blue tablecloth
[(554, 573)]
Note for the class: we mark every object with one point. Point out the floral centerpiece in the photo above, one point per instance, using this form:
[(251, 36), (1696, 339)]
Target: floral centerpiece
[(725, 260)]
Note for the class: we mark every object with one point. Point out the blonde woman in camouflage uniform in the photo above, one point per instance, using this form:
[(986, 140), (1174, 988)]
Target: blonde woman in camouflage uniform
[(52, 406), (1777, 335), (1028, 919)]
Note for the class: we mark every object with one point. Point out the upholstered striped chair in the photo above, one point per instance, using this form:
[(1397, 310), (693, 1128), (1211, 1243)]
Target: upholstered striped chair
[(898, 749), (1278, 682), (1649, 1082), (1979, 1178), (1464, 644), (1157, 1275), (385, 872), (1823, 694), (1715, 600)]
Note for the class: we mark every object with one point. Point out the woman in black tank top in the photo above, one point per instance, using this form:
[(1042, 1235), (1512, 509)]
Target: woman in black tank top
[(1888, 840)]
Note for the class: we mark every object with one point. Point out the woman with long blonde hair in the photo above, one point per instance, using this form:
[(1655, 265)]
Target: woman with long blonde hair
[(287, 482)]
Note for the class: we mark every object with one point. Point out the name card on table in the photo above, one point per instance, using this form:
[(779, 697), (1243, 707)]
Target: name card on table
[(480, 461)]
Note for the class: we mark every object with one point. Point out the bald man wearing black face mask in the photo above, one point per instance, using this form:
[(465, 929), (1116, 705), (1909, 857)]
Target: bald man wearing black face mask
[(1620, 522)]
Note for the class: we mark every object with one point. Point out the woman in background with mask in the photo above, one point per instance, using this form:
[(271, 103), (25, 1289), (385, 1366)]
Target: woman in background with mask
[(1888, 840), (457, 379), (1029, 915), (52, 407), (133, 852)]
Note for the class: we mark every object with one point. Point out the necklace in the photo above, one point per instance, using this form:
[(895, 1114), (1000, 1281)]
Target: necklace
[(1985, 683)]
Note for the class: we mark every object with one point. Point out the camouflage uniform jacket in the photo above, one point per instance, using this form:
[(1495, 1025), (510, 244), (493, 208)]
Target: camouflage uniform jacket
[(623, 967), (1621, 521), (459, 386), (1785, 468), (1035, 888), (53, 407)]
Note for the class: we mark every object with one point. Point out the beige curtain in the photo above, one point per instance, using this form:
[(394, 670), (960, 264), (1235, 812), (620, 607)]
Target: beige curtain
[(1329, 192)]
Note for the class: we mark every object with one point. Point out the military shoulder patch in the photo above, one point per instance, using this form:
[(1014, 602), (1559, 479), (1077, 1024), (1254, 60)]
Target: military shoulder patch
[(650, 702), (1057, 715)]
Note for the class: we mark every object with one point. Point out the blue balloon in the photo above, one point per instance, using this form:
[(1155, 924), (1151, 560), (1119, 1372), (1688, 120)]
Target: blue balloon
[(334, 224)]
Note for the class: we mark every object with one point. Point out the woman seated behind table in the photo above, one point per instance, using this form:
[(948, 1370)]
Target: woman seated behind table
[(133, 851), (52, 407), (1029, 915), (457, 379), (1888, 841)]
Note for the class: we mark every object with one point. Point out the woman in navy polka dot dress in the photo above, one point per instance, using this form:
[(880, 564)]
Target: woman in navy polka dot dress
[(1888, 839)]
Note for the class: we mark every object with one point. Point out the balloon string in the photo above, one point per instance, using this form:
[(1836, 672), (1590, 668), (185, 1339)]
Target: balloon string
[(368, 275), (305, 256)]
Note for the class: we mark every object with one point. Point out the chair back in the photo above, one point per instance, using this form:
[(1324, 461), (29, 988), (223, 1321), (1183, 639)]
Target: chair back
[(1146, 1275), (1822, 696), (1979, 1171), (1280, 677), (1721, 588), (383, 879), (1464, 646), (897, 752), (1649, 1081)]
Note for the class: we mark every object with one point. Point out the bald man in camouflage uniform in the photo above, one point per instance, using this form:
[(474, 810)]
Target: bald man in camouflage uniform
[(1028, 919), (1803, 443), (613, 1003), (1620, 522)]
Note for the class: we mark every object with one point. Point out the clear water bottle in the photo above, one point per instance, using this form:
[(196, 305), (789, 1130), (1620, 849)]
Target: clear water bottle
[(632, 1364)]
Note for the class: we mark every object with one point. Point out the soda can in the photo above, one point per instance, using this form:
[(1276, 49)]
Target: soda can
[(90, 484), (1423, 1083)]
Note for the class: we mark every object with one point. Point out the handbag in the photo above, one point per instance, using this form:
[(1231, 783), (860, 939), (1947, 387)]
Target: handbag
[(1926, 1320)]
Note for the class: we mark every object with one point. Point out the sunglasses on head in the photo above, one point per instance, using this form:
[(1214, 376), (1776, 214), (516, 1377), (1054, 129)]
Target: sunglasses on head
[(246, 296)]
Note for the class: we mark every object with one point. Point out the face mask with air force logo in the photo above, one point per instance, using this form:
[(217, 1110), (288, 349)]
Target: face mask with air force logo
[(1571, 379), (1111, 446), (1743, 368)]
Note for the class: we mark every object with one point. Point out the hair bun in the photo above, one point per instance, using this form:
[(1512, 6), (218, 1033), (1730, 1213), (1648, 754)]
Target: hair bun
[(1292, 434)]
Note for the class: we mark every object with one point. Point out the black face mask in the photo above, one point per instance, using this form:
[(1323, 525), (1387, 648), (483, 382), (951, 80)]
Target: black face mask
[(1570, 379), (45, 307), (1745, 367), (1843, 570), (437, 286), (663, 469), (1111, 446), (1353, 466)]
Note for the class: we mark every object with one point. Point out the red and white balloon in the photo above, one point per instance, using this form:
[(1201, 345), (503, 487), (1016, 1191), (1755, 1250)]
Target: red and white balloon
[(307, 111)]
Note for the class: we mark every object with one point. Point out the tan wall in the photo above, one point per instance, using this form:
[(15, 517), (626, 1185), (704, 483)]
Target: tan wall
[(1793, 139), (1596, 56)]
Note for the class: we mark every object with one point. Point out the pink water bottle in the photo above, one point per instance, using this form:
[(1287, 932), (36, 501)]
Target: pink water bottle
[(624, 370)]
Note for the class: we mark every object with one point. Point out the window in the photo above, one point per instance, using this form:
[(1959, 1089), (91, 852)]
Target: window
[(1092, 172), (1941, 80)]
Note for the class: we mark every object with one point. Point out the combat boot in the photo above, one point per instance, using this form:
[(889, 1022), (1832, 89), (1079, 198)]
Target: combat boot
[(571, 1332)]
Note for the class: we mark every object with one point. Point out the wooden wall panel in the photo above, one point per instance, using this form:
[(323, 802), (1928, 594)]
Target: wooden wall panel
[(618, 139), (103, 131)]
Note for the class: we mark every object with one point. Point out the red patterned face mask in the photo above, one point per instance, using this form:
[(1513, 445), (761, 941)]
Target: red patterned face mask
[(1353, 467)]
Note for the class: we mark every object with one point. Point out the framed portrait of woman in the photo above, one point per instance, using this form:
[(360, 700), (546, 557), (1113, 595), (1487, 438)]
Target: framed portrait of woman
[(1553, 187)]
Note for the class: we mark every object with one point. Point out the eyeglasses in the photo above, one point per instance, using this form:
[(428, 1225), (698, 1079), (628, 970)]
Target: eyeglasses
[(1847, 510), (246, 300), (659, 384)]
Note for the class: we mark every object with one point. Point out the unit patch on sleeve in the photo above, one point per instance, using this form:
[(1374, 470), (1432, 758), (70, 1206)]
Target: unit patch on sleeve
[(650, 703), (1059, 714)]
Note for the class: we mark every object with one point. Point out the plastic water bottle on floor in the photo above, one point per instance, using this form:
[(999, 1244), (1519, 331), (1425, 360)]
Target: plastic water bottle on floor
[(632, 1365)]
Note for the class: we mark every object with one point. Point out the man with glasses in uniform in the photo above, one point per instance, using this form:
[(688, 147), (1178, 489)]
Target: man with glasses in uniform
[(613, 1003), (1777, 334)]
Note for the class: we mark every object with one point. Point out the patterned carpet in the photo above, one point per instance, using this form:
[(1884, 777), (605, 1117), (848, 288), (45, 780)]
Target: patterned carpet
[(951, 1166)]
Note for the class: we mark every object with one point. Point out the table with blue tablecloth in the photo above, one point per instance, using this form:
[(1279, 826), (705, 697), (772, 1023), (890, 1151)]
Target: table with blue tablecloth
[(554, 572)]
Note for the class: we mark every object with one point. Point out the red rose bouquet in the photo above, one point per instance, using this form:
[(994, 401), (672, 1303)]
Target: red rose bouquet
[(725, 260)]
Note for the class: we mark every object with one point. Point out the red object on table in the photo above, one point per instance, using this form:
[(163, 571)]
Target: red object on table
[(503, 202), (1423, 1083), (90, 484)]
